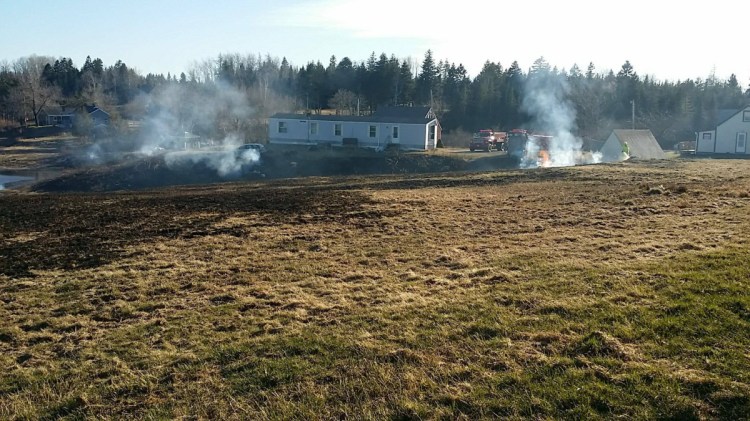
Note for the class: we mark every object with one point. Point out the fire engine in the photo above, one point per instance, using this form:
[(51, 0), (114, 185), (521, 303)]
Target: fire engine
[(488, 140), (517, 139)]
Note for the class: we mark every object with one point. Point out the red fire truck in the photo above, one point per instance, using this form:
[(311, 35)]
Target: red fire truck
[(487, 140)]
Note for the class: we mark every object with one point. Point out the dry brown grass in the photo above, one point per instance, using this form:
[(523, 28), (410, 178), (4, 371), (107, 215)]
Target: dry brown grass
[(575, 292), (37, 154)]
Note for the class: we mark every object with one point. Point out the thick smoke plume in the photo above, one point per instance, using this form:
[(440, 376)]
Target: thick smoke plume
[(546, 102)]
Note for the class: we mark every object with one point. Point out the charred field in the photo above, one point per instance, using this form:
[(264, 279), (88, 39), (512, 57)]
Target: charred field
[(586, 292)]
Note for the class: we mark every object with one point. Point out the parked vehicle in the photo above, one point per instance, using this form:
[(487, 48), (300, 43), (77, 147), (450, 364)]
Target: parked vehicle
[(516, 143), (488, 140), (252, 146)]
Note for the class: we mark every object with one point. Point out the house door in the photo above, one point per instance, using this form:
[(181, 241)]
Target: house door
[(741, 143)]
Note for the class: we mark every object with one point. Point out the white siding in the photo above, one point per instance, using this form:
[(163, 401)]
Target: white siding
[(704, 144), (296, 130), (431, 143), (726, 134), (411, 136)]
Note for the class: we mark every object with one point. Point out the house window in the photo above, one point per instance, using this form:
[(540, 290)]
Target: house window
[(741, 139), (337, 129), (373, 131), (395, 132), (432, 132), (746, 116), (282, 127), (706, 136), (314, 128)]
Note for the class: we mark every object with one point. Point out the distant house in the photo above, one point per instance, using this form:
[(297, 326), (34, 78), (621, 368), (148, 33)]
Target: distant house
[(61, 119), (641, 143), (407, 127), (66, 119), (727, 136), (98, 116)]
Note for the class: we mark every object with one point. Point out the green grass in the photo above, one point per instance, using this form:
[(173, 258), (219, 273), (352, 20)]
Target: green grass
[(682, 356), (368, 299)]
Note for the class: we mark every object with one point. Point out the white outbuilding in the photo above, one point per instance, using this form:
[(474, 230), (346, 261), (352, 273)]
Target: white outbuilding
[(728, 136)]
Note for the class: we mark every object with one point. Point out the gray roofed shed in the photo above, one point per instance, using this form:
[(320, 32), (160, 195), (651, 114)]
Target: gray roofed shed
[(641, 143)]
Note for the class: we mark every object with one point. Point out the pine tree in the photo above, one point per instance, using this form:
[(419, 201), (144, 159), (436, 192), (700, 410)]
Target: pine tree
[(406, 84), (427, 79), (590, 71)]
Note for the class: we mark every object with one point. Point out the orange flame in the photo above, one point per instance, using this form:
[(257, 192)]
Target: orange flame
[(544, 158)]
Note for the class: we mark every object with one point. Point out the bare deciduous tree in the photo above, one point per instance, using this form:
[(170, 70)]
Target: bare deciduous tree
[(343, 100), (33, 92)]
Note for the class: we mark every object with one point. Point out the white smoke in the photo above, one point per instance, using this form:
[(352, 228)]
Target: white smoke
[(228, 161), (546, 102), (530, 158), (94, 153), (181, 115), (188, 124)]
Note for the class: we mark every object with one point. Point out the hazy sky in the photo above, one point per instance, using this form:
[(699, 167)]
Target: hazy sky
[(663, 39)]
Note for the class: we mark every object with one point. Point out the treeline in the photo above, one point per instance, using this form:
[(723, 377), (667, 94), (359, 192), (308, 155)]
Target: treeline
[(602, 100)]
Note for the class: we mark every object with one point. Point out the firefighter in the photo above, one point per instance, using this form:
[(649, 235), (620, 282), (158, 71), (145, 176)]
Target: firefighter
[(625, 151)]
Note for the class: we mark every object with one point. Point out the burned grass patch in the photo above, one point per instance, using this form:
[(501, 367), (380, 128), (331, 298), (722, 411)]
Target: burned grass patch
[(85, 231)]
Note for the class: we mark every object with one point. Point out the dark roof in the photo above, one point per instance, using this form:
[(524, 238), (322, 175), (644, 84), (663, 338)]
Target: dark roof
[(641, 143), (724, 115), (721, 117), (406, 115), (91, 108), (406, 112)]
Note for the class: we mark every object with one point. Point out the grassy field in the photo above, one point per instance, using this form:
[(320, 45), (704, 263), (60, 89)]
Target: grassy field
[(589, 292), (41, 153)]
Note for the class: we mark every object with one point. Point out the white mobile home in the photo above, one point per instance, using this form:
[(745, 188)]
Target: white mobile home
[(728, 136), (407, 127)]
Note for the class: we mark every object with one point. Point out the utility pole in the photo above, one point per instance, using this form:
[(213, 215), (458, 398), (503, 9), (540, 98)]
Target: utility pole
[(632, 115)]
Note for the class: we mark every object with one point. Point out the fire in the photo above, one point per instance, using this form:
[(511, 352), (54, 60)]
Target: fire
[(544, 158)]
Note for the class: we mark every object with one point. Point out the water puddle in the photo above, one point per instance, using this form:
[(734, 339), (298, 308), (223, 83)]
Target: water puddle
[(17, 179)]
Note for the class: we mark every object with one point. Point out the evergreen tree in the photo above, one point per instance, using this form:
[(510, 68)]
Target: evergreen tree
[(590, 71), (512, 96), (406, 84), (427, 80), (627, 83), (345, 75)]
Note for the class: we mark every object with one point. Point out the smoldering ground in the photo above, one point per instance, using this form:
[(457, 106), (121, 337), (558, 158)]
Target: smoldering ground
[(184, 126)]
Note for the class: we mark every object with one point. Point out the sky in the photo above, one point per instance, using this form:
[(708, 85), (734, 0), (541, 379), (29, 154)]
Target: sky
[(665, 40)]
